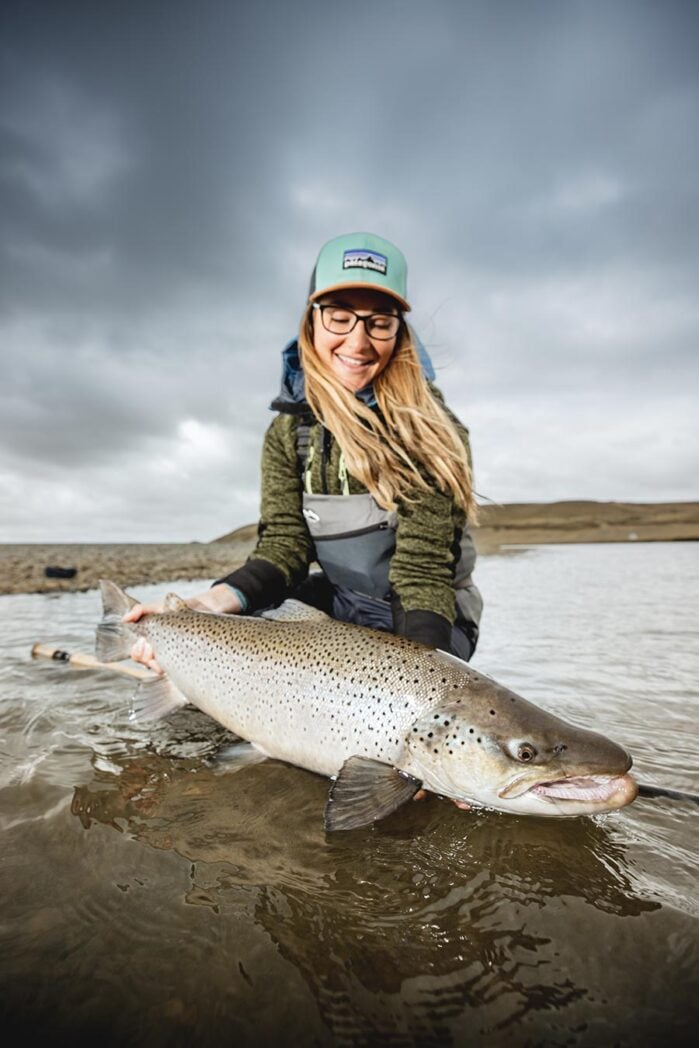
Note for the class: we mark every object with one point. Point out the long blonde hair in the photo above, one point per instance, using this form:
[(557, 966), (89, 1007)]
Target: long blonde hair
[(411, 438)]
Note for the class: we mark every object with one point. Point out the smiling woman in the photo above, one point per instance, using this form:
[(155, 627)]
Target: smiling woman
[(365, 472)]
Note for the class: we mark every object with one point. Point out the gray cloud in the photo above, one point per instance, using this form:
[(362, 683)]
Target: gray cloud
[(169, 171)]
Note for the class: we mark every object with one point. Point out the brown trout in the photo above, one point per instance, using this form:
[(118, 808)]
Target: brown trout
[(381, 715)]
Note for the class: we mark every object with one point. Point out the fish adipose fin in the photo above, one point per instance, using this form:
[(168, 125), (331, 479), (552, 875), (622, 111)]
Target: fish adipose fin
[(114, 637), (295, 611), (174, 603), (364, 791), (156, 698)]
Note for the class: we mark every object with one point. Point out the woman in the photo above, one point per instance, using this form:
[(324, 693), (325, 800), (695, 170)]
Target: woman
[(364, 470)]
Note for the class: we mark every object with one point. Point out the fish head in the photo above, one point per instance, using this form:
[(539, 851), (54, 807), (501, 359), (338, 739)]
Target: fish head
[(490, 747)]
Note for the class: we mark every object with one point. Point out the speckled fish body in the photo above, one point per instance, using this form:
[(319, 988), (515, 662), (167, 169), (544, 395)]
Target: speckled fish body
[(329, 696)]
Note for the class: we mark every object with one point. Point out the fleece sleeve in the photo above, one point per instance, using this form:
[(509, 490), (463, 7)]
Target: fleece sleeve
[(284, 548), (422, 568), (427, 550)]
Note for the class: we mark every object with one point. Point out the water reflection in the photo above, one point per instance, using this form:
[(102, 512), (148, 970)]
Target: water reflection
[(430, 915), (204, 908)]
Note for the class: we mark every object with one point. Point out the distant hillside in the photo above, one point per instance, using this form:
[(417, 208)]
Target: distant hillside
[(23, 567), (244, 535), (531, 523)]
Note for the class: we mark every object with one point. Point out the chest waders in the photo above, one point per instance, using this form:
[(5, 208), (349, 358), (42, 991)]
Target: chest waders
[(355, 540)]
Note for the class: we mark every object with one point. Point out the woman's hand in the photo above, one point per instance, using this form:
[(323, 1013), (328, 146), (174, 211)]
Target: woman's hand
[(219, 599), (422, 795)]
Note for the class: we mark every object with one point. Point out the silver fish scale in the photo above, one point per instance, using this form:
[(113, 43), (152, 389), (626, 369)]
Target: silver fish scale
[(307, 692)]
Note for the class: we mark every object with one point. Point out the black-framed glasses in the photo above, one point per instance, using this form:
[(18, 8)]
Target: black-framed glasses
[(339, 320)]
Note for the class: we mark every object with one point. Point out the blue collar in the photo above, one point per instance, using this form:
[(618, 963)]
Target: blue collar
[(293, 386)]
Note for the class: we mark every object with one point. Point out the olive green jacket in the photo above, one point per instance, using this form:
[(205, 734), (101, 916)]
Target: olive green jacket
[(427, 537)]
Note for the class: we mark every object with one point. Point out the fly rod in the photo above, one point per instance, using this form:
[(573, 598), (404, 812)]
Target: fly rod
[(82, 661)]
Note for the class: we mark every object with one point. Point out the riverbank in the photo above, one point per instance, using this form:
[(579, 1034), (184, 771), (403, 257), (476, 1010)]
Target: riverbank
[(23, 565)]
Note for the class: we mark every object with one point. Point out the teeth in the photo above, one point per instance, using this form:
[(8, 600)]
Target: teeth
[(351, 362)]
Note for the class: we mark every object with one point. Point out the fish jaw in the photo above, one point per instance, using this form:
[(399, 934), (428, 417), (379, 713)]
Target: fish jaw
[(560, 796), (505, 754), (579, 795)]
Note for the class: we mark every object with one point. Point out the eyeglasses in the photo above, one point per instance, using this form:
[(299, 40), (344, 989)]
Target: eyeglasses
[(339, 320)]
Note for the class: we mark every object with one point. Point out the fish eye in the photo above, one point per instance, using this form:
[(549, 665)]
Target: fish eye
[(526, 752)]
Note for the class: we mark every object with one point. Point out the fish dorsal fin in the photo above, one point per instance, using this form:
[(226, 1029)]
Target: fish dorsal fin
[(293, 610), (364, 791), (174, 603), (156, 698)]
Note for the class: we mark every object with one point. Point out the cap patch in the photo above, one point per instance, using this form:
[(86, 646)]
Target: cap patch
[(365, 260)]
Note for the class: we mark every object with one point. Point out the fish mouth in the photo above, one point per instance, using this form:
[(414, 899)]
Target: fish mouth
[(608, 791), (578, 791)]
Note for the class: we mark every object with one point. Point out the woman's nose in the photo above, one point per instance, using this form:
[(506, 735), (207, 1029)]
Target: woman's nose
[(358, 336)]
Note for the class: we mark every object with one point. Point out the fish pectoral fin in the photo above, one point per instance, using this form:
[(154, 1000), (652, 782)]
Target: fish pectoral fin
[(156, 698), (366, 790), (295, 611)]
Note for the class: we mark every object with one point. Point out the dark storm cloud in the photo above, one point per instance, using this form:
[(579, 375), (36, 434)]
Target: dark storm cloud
[(169, 170)]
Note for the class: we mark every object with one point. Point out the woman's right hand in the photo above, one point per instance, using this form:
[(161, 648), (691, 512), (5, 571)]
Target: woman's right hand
[(219, 599)]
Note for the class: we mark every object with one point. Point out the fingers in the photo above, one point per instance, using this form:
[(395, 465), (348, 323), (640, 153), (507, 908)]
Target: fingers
[(220, 599), (422, 795), (142, 652), (139, 610)]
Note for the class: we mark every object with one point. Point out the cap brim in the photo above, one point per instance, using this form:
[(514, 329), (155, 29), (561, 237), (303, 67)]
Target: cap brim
[(361, 285)]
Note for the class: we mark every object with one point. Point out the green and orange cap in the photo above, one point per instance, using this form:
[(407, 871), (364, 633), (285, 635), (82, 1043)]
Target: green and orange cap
[(360, 260)]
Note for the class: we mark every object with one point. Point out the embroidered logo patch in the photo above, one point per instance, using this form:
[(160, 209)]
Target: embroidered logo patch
[(365, 260)]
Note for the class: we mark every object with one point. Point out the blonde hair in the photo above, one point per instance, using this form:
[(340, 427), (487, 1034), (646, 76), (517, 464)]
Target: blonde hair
[(411, 438)]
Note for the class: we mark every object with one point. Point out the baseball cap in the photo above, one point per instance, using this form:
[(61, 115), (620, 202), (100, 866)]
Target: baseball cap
[(360, 260)]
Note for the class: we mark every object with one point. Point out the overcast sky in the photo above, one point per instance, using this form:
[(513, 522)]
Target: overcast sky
[(169, 171)]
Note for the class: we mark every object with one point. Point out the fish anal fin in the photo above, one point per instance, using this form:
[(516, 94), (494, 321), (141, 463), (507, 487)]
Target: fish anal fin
[(364, 791), (156, 698), (174, 603), (237, 755), (293, 610)]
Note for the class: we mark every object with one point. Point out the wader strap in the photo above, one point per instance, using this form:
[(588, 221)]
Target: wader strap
[(303, 442), (304, 453), (304, 456)]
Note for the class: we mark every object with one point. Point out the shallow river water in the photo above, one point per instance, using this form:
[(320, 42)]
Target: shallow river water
[(155, 890)]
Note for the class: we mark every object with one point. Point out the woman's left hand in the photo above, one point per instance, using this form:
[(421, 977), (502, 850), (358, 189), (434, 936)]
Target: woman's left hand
[(422, 795)]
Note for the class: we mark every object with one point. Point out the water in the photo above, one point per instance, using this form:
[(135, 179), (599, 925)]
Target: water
[(156, 894)]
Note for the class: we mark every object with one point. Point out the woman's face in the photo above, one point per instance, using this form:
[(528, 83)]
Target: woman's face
[(355, 358)]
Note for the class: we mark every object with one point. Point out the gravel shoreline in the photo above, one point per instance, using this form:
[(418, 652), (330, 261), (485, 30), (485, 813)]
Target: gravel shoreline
[(23, 565)]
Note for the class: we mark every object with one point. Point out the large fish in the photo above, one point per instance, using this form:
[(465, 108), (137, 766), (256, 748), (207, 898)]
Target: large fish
[(382, 715)]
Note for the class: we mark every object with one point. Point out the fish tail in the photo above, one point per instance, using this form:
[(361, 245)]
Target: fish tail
[(114, 637)]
